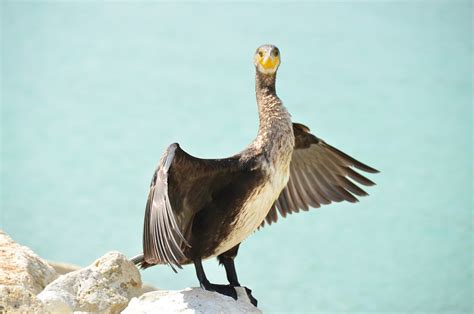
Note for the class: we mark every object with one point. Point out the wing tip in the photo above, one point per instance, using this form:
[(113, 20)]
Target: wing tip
[(355, 163), (369, 169)]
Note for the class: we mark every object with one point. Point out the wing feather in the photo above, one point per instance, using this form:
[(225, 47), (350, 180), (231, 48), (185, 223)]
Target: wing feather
[(305, 200), (180, 187), (319, 174), (311, 186), (272, 215), (163, 241)]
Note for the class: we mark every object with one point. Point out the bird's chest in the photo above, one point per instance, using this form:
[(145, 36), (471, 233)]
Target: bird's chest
[(256, 206)]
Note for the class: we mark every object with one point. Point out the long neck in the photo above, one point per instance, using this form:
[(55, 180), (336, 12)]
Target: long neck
[(270, 106), (275, 121), (267, 99)]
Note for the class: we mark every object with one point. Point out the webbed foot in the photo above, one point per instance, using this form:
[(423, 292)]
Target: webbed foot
[(227, 290)]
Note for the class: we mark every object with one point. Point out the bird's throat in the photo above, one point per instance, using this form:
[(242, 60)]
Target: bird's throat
[(265, 85), (275, 121)]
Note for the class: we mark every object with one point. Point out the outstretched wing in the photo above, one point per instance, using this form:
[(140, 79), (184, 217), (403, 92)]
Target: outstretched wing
[(180, 187), (319, 174)]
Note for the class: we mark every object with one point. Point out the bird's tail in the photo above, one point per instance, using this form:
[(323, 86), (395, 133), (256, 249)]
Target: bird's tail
[(139, 261)]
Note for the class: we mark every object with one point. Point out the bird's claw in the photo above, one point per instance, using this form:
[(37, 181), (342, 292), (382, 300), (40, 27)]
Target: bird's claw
[(251, 298)]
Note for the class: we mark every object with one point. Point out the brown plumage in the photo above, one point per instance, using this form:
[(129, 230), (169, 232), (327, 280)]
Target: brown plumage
[(200, 208), (318, 175)]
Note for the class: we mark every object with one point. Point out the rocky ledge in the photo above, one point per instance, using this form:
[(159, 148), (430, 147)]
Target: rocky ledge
[(111, 284)]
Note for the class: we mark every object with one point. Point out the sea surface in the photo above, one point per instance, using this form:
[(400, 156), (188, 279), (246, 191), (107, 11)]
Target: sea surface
[(93, 93)]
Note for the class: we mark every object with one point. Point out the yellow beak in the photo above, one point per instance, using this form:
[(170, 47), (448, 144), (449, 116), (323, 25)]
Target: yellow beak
[(269, 62)]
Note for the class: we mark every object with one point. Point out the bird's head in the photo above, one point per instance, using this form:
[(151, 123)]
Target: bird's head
[(267, 59)]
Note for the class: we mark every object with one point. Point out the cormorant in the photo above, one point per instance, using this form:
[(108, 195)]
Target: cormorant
[(202, 208)]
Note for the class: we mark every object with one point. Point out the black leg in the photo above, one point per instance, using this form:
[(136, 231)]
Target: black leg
[(230, 271), (227, 290), (227, 259), (200, 274)]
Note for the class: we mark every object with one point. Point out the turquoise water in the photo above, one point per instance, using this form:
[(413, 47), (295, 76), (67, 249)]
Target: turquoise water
[(92, 94)]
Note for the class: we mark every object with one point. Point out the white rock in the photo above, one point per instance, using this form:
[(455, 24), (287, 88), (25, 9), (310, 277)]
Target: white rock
[(63, 268), (190, 300), (105, 286), (15, 299), (23, 274)]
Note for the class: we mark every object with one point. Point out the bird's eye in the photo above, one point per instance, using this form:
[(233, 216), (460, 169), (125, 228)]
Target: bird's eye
[(260, 53), (276, 53)]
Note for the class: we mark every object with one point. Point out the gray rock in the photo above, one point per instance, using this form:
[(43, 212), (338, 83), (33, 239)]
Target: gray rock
[(190, 300), (23, 274), (105, 286)]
